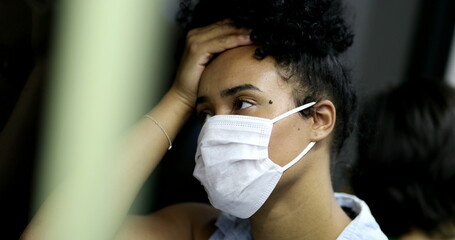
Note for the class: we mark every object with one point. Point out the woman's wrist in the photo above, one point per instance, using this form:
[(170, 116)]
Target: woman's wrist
[(172, 111), (183, 96)]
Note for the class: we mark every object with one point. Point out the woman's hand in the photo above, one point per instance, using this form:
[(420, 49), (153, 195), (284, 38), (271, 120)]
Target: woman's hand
[(201, 45)]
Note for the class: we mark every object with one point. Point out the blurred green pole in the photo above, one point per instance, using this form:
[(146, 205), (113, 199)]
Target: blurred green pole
[(106, 73)]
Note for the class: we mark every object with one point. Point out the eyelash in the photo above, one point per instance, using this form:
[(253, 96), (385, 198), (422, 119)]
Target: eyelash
[(238, 102), (236, 105)]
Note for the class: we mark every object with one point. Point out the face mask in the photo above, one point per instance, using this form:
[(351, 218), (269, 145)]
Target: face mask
[(233, 165)]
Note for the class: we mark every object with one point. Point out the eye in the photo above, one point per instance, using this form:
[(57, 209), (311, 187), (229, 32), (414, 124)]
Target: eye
[(245, 105), (240, 104)]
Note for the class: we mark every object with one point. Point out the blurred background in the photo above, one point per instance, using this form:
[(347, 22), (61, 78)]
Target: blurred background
[(395, 41)]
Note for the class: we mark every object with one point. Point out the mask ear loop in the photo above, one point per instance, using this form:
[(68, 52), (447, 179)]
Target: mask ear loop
[(296, 159), (298, 109), (310, 145)]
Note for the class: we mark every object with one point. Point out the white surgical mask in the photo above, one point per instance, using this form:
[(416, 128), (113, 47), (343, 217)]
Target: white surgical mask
[(233, 164)]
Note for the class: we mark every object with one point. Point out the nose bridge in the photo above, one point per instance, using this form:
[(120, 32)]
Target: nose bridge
[(222, 109), (219, 106)]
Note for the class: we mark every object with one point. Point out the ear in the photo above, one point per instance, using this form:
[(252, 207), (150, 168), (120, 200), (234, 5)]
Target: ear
[(324, 117)]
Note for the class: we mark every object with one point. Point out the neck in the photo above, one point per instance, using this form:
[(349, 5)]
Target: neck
[(302, 206)]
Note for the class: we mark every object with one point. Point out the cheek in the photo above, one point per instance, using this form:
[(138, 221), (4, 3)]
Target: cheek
[(288, 139)]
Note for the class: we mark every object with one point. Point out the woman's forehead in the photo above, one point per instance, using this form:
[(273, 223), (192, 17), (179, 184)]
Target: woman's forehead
[(237, 67)]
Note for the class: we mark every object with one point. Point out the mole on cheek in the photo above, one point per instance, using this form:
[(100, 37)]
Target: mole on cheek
[(270, 101)]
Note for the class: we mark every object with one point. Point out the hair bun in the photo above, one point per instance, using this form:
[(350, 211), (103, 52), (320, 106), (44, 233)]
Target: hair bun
[(289, 27), (312, 27)]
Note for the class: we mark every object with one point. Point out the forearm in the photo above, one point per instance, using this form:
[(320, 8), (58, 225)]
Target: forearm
[(146, 143), (119, 182)]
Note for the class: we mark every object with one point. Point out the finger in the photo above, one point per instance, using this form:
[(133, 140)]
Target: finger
[(223, 23), (213, 31), (217, 42), (223, 43)]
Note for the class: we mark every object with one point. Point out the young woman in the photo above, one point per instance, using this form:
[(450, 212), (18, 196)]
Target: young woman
[(266, 80)]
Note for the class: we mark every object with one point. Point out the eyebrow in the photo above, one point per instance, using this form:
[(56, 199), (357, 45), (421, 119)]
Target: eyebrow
[(229, 92)]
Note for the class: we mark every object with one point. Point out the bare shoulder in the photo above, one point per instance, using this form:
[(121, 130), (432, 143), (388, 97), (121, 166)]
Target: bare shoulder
[(180, 221)]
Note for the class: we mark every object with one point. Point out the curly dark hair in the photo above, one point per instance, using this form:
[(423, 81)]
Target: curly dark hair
[(405, 169), (305, 37)]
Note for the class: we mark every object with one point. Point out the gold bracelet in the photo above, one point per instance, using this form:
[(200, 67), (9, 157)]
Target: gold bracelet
[(162, 129)]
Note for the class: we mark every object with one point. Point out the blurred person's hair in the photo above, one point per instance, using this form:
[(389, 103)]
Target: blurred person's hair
[(405, 169)]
